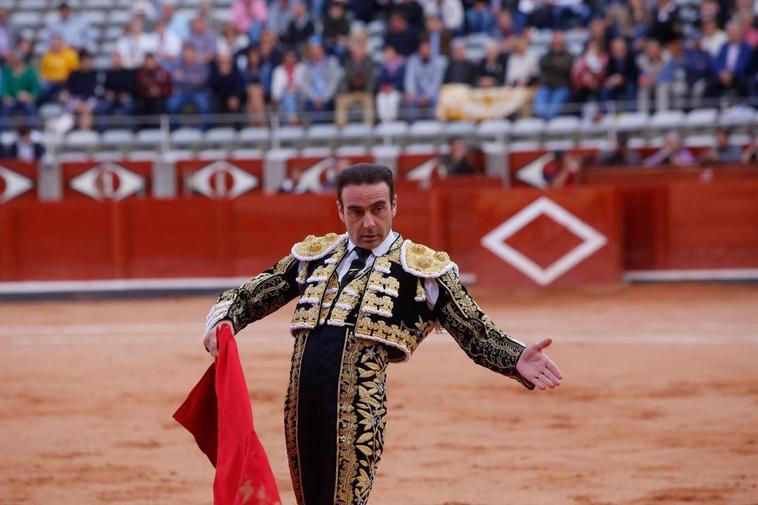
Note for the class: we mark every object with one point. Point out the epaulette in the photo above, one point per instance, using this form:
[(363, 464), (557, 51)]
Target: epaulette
[(423, 261), (313, 248)]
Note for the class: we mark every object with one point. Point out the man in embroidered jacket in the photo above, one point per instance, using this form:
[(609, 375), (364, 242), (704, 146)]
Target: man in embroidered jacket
[(366, 298)]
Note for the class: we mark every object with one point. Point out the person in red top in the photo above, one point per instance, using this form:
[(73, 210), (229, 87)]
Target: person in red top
[(153, 87)]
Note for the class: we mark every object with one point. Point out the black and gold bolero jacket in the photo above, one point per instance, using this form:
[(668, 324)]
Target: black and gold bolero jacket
[(386, 303)]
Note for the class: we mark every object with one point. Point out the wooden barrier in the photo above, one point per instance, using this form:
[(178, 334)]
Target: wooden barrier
[(643, 227)]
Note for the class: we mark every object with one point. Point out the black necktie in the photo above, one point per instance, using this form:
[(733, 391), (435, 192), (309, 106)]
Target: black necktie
[(358, 264)]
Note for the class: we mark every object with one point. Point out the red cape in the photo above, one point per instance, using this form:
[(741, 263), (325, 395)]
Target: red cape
[(218, 413)]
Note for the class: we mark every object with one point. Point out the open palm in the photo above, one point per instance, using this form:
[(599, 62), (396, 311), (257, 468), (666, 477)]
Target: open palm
[(537, 368)]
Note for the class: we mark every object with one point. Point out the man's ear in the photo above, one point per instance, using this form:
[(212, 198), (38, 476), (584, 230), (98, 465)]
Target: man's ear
[(339, 211), (394, 204)]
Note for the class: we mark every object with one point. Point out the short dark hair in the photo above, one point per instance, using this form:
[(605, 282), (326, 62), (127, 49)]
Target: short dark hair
[(365, 173)]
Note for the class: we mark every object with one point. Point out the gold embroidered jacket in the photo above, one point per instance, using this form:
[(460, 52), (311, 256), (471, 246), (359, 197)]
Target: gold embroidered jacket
[(386, 303)]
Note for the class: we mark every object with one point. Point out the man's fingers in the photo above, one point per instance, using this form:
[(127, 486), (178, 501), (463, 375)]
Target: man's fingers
[(554, 368), (551, 376), (538, 381), (544, 343)]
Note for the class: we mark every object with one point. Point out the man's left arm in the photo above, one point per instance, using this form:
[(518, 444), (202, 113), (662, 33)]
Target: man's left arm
[(487, 345)]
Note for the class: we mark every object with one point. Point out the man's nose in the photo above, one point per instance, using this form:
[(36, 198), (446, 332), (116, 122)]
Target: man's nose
[(368, 221)]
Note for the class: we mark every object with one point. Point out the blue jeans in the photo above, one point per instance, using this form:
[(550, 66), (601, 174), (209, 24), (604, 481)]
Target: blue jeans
[(549, 101), (478, 21), (288, 106), (626, 93), (19, 109), (197, 99), (256, 28)]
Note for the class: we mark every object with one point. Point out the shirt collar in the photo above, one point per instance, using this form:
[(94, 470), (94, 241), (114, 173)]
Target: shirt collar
[(379, 250)]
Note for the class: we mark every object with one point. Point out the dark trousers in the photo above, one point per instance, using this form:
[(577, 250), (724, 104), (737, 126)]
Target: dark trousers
[(317, 413)]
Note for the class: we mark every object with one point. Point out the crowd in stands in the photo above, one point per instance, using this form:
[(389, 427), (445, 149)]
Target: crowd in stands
[(314, 60)]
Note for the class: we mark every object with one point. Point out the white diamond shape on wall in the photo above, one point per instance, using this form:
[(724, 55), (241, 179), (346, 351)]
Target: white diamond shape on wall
[(211, 182), (15, 184), (108, 181), (592, 240)]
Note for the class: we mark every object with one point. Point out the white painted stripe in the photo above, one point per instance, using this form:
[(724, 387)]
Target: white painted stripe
[(47, 287), (716, 274)]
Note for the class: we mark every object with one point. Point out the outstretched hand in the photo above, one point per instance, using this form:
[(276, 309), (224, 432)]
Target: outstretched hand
[(537, 368), (210, 341)]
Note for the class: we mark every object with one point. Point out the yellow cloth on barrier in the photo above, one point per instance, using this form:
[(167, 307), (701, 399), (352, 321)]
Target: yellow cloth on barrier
[(463, 102)]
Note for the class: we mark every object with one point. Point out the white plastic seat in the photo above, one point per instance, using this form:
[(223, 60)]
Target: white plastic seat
[(184, 137), (632, 122), (212, 154), (117, 138), (737, 117), (420, 149), (79, 139), (175, 155), (357, 131), (559, 144), (528, 128), (322, 133), (563, 126), (221, 136), (459, 129), (142, 155), (523, 145), (497, 129), (425, 129), (254, 135), (152, 137), (699, 141), (246, 154), (702, 118), (394, 129), (290, 134), (666, 120), (351, 150), (24, 19)]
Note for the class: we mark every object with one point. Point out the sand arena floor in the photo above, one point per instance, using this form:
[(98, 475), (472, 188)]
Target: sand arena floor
[(659, 404)]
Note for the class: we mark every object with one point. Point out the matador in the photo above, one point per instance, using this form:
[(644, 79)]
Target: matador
[(366, 298)]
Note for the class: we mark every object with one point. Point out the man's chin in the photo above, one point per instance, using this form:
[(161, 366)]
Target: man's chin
[(369, 243)]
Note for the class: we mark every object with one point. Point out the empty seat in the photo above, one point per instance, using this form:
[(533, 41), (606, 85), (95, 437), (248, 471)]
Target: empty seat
[(184, 137), (322, 133), (459, 129), (34, 4), (666, 120), (699, 141), (107, 156), (142, 155), (425, 129), (394, 129), (82, 140), (737, 117), (23, 19), (117, 138), (524, 145), (212, 154), (316, 152), (290, 135), (632, 122), (357, 131), (702, 118), (740, 139), (50, 110), (254, 135), (597, 144), (152, 137), (559, 144), (73, 157), (223, 136), (246, 154), (528, 127), (496, 129), (175, 155), (562, 126), (420, 149), (94, 17), (351, 150)]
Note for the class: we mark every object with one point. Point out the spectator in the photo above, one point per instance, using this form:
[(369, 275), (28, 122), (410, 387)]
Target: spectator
[(554, 79), (357, 85), (56, 65), (152, 87), (588, 74), (118, 89), (188, 81), (25, 49), (561, 171), (479, 18), (491, 71), (522, 65), (231, 43), (636, 26), (672, 85), (79, 96), (164, 44), (732, 62), (723, 151), (336, 29), (249, 18), (321, 78), (459, 160), (459, 70), (271, 57), (620, 84), (74, 30), (750, 154), (650, 65), (449, 12), (20, 87), (423, 79), (388, 102), (178, 24), (411, 11), (620, 155), (133, 44), (146, 11), (286, 86), (713, 37), (672, 153), (392, 71), (252, 80), (300, 28), (505, 31), (700, 71), (439, 38), (280, 13), (401, 36), (25, 148), (294, 184), (666, 23), (227, 86), (6, 36), (203, 40)]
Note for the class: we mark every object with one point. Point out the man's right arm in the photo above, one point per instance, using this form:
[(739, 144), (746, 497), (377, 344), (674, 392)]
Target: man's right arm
[(258, 297)]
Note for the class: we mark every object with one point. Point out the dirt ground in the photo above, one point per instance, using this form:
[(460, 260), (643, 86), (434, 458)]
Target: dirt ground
[(659, 403)]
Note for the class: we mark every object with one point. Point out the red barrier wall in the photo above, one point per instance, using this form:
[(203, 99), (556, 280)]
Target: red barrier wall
[(674, 226)]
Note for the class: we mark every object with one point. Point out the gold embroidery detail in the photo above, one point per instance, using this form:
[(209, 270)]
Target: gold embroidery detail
[(290, 415), (383, 284), (362, 410), (347, 301), (423, 261), (376, 304), (314, 247)]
